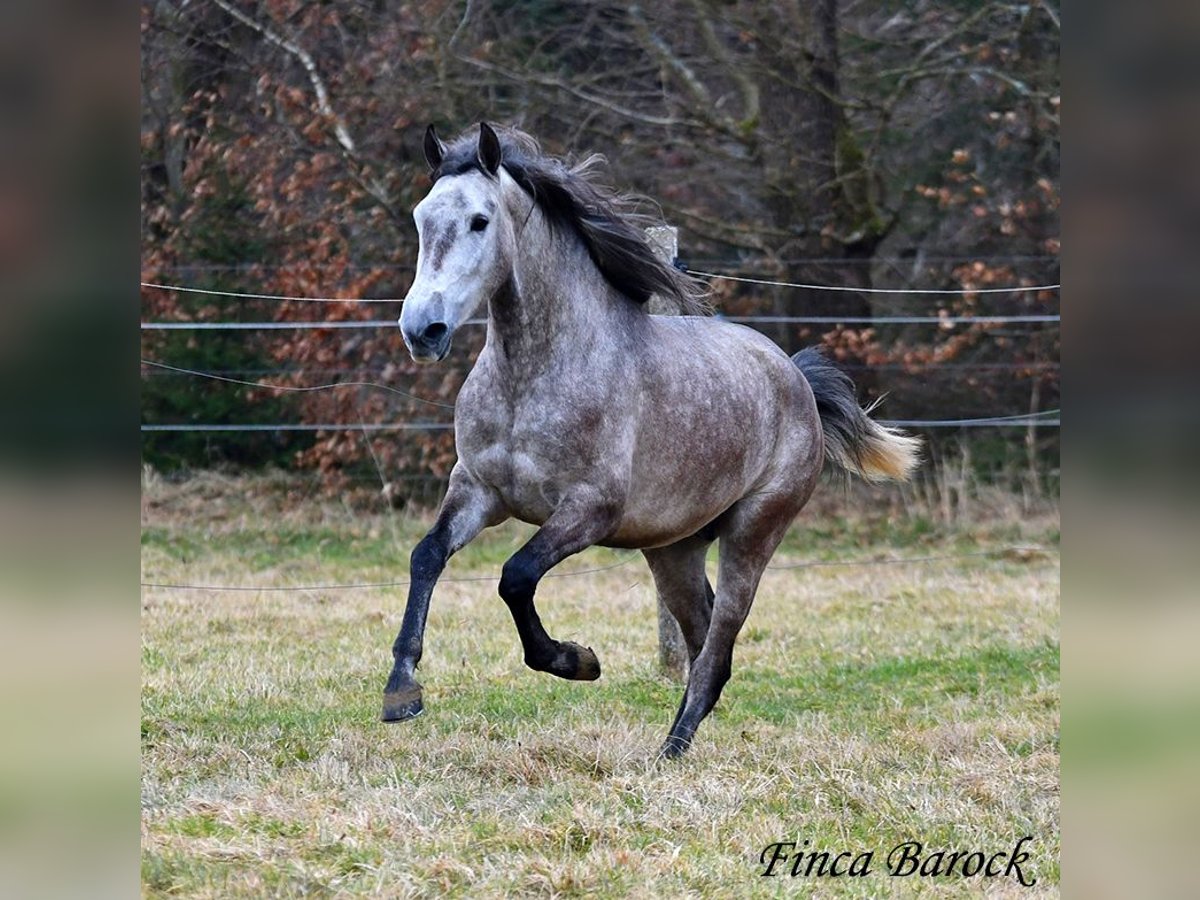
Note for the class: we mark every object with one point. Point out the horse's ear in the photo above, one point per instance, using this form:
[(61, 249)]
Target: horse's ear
[(489, 149), (435, 150)]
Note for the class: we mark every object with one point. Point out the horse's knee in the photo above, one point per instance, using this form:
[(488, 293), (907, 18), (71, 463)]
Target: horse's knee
[(518, 580)]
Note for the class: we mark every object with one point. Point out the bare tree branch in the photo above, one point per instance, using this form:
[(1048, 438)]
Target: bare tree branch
[(738, 72), (373, 187), (1051, 13), (549, 81), (462, 24), (310, 66), (660, 49), (702, 100)]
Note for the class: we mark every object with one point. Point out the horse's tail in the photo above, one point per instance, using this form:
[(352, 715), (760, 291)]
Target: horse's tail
[(853, 441)]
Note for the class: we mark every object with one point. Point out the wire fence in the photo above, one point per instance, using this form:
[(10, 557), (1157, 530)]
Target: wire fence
[(1018, 552), (362, 324), (745, 279), (911, 261), (1040, 419), (914, 368), (178, 370), (1046, 418), (960, 291), (1034, 421)]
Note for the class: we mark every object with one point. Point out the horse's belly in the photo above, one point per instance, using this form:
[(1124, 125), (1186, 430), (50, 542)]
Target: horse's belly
[(642, 533), (687, 472), (673, 496), (672, 479), (655, 521)]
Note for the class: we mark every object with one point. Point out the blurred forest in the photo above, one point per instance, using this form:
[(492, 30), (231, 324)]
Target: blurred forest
[(888, 144)]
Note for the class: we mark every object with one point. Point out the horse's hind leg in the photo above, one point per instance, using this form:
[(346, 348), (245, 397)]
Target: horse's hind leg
[(573, 527), (679, 578), (750, 533)]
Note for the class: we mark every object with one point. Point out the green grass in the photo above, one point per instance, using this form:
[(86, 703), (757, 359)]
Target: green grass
[(869, 705)]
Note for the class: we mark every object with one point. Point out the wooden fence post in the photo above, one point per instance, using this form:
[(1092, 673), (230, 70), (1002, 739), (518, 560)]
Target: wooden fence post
[(672, 653)]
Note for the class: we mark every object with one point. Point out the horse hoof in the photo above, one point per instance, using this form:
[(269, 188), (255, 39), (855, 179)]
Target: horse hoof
[(402, 704), (575, 663), (673, 749)]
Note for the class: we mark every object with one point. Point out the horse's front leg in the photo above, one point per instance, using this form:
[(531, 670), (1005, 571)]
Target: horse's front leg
[(469, 507), (575, 525)]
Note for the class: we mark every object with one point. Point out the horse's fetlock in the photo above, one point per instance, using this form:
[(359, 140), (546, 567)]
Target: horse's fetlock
[(407, 649), (538, 662)]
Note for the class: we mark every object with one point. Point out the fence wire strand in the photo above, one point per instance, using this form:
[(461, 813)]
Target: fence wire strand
[(1041, 418), (866, 290), (745, 279), (812, 564), (1048, 417), (295, 389)]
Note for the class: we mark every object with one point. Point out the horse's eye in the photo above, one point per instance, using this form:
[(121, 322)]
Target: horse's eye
[(478, 223)]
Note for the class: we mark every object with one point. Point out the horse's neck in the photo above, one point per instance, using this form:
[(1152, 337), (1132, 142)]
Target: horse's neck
[(556, 299)]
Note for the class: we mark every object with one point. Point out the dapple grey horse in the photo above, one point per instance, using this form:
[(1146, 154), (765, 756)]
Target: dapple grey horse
[(602, 424)]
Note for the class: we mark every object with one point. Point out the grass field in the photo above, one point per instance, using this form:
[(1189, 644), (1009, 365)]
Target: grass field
[(869, 705)]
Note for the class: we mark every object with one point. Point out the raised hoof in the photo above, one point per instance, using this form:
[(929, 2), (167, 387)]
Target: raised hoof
[(574, 663), (402, 704)]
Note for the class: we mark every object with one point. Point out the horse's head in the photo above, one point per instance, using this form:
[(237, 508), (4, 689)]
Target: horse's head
[(466, 247)]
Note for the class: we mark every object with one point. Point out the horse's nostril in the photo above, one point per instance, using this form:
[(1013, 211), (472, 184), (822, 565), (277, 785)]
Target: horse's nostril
[(434, 332)]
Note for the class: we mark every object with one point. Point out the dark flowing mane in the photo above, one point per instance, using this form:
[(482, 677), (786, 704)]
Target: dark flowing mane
[(573, 198)]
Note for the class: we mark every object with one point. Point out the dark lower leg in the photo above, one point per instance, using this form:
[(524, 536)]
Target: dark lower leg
[(574, 526), (402, 694), (467, 509), (542, 653), (751, 530), (680, 580), (703, 691)]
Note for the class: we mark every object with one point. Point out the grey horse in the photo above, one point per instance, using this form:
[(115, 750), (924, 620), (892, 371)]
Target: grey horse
[(602, 424)]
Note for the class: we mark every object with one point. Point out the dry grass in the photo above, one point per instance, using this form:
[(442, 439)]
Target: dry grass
[(869, 705)]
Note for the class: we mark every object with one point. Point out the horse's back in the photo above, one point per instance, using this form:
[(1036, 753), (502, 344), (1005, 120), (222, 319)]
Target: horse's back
[(700, 360)]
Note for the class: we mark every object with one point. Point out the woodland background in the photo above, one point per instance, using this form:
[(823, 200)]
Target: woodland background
[(889, 144)]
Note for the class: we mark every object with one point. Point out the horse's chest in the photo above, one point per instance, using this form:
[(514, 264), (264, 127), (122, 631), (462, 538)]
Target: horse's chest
[(526, 460)]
